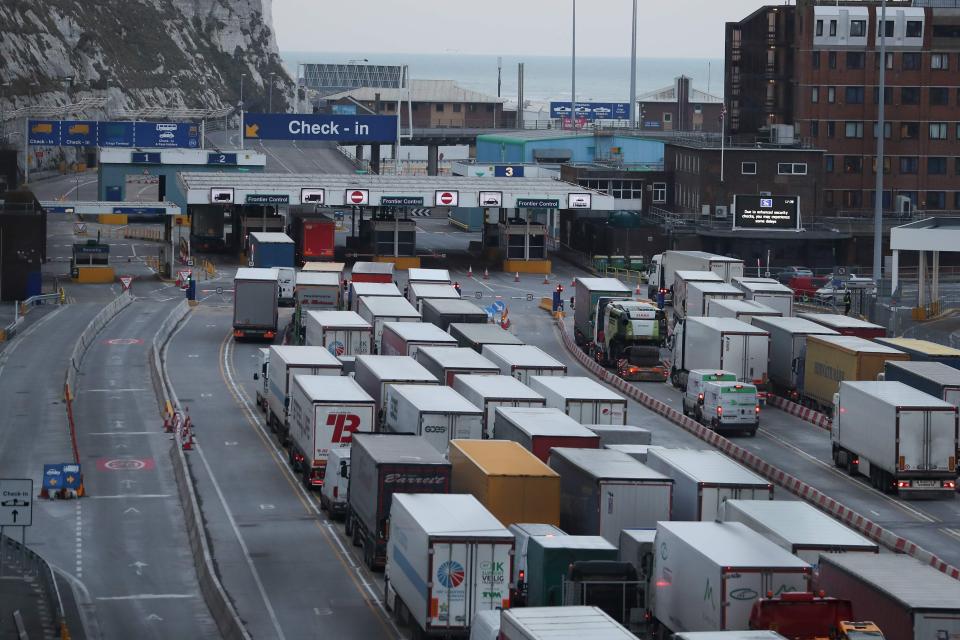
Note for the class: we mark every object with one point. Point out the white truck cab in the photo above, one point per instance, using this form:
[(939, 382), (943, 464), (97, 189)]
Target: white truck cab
[(287, 282), (692, 399), (731, 406), (334, 492)]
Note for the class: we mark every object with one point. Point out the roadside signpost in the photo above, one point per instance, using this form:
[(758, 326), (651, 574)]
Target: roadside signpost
[(125, 282), (16, 507)]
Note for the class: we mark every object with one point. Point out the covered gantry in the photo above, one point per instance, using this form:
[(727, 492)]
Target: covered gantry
[(928, 236)]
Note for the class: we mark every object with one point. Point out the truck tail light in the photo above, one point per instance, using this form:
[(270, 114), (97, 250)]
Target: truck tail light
[(903, 484), (505, 603), (601, 337), (756, 409), (336, 492), (719, 412), (902, 463), (699, 397), (949, 484), (270, 335), (237, 333)]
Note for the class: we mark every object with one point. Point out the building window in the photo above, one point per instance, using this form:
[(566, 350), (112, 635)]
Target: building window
[(853, 130), (833, 28), (439, 107), (831, 94), (876, 61), (828, 199), (852, 164), (946, 31), (914, 28), (814, 94), (887, 130), (887, 28), (887, 95), (886, 165), (909, 95), (909, 130), (819, 31), (858, 28), (940, 61), (831, 128), (815, 59), (855, 59), (792, 168), (832, 59), (814, 128), (938, 130), (660, 192), (910, 60), (457, 107), (936, 166), (936, 200), (828, 163), (853, 95), (415, 106), (908, 165), (748, 168), (852, 199), (490, 108), (939, 96), (668, 117)]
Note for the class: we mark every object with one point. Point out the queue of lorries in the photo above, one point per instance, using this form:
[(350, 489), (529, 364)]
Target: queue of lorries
[(505, 499)]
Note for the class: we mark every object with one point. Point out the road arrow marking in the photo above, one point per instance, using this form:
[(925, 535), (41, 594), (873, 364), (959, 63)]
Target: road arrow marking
[(154, 618), (139, 566), (134, 509)]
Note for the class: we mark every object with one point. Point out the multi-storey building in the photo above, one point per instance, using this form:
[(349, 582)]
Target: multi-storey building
[(830, 93)]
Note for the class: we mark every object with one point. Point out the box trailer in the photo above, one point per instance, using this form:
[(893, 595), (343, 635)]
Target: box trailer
[(436, 414), (523, 360), (255, 300), (325, 412), (722, 344), (326, 267), (924, 350), (507, 479), (262, 375), (365, 289), (286, 362), (417, 293), (372, 272), (707, 575), (846, 325), (549, 559), (448, 558), (704, 479), (406, 338), (445, 311), (428, 276), (317, 291), (906, 598), (681, 281), (768, 292), (560, 623), (538, 430), (796, 526), (901, 438), (381, 466), (447, 362), (379, 309), (590, 296), (788, 350), (604, 491), (582, 398), (665, 265), (700, 294), (374, 373), (637, 547), (342, 333), (275, 250), (477, 336), (831, 359), (742, 310), (620, 434), (316, 238), (490, 392), (936, 378)]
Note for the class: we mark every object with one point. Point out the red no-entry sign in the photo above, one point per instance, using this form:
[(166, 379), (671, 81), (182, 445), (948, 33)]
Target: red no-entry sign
[(446, 199), (358, 196)]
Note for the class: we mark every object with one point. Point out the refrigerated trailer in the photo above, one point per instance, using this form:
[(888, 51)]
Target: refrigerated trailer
[(772, 294), (367, 289), (374, 373), (722, 344), (436, 414), (342, 333), (447, 362), (255, 300), (560, 623), (582, 398), (317, 290), (788, 350), (406, 338), (699, 295), (418, 293), (476, 336), (742, 310), (523, 360), (666, 264), (379, 309), (490, 392), (285, 362), (443, 312), (938, 379), (539, 430)]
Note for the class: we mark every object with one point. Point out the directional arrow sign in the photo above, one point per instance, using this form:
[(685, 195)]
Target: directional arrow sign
[(16, 503)]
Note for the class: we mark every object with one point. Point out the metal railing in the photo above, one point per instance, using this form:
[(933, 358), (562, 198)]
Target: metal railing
[(32, 563), (22, 308)]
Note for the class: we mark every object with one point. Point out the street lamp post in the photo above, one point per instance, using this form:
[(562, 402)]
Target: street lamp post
[(573, 69), (242, 76), (270, 99), (878, 186), (633, 68)]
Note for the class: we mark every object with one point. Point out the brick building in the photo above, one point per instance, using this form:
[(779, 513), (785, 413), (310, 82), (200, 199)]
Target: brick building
[(680, 108), (829, 91), (434, 103)]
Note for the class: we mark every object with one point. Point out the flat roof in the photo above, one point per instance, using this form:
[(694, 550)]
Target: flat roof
[(746, 306), (567, 541), (372, 267), (318, 278), (396, 306), (375, 289), (332, 389), (393, 447), (922, 346), (428, 398), (454, 305), (419, 331), (731, 544), (937, 371), (400, 368), (504, 458), (857, 344), (256, 273), (457, 357), (764, 287), (795, 325), (496, 386), (427, 290), (575, 387), (431, 275), (898, 394), (800, 523), (727, 325), (707, 466), (453, 514), (338, 318), (543, 421), (717, 287), (604, 284), (306, 356), (909, 581), (609, 464), (697, 275), (484, 333), (523, 355), (274, 237), (838, 320)]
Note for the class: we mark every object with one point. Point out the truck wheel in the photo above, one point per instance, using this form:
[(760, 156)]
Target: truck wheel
[(357, 539), (674, 380), (683, 406), (368, 555), (836, 456), (348, 523), (323, 502)]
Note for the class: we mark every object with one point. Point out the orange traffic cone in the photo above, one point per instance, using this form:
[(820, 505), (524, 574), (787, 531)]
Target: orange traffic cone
[(516, 278), (486, 274), (470, 272), (637, 290), (546, 278)]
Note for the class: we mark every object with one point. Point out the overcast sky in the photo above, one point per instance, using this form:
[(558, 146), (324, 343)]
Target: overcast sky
[(671, 29)]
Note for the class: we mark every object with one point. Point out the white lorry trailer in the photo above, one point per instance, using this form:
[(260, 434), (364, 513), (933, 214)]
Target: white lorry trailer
[(523, 360), (371, 290), (436, 414), (255, 300), (723, 344), (699, 295), (447, 362), (773, 294), (666, 264), (682, 280), (406, 338), (490, 392), (901, 438), (287, 361), (560, 623), (379, 309), (582, 398), (342, 333), (742, 310), (374, 373), (788, 350)]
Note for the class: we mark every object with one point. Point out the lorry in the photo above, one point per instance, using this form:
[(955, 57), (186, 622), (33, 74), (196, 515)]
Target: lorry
[(489, 392), (317, 291), (436, 414), (637, 547), (549, 559), (560, 623), (938, 379), (255, 301), (372, 272), (445, 311), (604, 491), (275, 250), (924, 350), (325, 412), (379, 309), (428, 276), (382, 466), (607, 321), (801, 615), (336, 486), (448, 558), (768, 292), (846, 325), (742, 310), (665, 265), (365, 289), (342, 333), (730, 406), (678, 289), (286, 362), (723, 344), (315, 238), (374, 373), (476, 336), (620, 434), (831, 359), (704, 479), (904, 597), (582, 398), (523, 360), (513, 484), (538, 430), (447, 362), (788, 351), (699, 295), (522, 533), (796, 526), (902, 439), (417, 293), (707, 575), (406, 338)]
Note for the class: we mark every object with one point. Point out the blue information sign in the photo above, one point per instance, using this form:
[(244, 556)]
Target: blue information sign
[(287, 126), (222, 158), (142, 211), (144, 157), (183, 135), (499, 305), (592, 110), (508, 171), (53, 477), (116, 134), (78, 133), (44, 132), (71, 475), (82, 133)]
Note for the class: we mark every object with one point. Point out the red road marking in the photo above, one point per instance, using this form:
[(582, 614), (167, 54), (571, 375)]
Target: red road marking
[(123, 341), (125, 464)]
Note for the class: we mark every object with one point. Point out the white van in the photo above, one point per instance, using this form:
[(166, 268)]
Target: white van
[(692, 398), (287, 282), (333, 493), (730, 406)]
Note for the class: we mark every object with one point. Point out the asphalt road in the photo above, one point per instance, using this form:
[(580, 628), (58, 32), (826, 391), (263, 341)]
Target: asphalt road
[(289, 157)]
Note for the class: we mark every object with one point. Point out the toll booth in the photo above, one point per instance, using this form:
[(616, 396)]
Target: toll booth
[(521, 236), (391, 236), (90, 262)]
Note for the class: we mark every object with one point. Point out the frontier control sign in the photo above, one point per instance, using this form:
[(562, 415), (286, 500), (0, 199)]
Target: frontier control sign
[(344, 128), (779, 213)]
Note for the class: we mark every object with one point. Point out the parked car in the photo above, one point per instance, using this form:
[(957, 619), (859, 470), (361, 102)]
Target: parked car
[(835, 290), (788, 273), (807, 286)]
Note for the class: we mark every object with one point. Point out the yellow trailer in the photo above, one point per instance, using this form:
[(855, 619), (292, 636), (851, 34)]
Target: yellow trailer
[(831, 359)]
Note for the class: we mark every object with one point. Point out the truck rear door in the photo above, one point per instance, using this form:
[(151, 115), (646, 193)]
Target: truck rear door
[(452, 591), (927, 440), (335, 425), (632, 506), (490, 584)]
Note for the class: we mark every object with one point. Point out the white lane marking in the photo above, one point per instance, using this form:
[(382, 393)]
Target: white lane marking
[(131, 495), (243, 544), (151, 596), (109, 390), (126, 433), (79, 541)]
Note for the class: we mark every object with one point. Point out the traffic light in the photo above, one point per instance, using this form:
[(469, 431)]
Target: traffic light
[(559, 288)]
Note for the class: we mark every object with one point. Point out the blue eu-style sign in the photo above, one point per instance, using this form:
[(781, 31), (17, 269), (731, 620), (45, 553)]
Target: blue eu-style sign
[(499, 305), (71, 475), (592, 110), (44, 132), (53, 476), (298, 126), (172, 135), (508, 171), (222, 158), (78, 133), (140, 211), (766, 202), (116, 134)]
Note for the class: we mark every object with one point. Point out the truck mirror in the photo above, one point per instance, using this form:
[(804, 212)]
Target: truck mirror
[(344, 472), (256, 376), (286, 403)]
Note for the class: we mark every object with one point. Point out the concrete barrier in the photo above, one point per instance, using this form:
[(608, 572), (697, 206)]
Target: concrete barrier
[(802, 490), (90, 332), (804, 413)]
